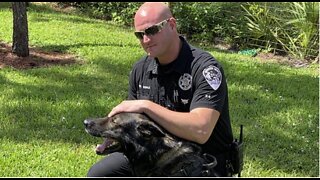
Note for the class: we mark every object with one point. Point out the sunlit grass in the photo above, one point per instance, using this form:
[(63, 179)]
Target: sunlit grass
[(42, 109)]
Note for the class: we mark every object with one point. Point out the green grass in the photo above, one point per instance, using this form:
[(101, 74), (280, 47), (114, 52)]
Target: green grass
[(42, 109)]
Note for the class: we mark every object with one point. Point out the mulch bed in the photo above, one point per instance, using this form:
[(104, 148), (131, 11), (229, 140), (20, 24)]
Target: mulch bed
[(37, 58)]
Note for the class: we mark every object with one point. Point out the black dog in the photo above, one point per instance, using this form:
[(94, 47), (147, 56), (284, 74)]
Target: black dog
[(151, 150)]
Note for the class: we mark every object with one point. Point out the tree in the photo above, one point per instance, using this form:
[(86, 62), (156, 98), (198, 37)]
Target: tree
[(20, 45)]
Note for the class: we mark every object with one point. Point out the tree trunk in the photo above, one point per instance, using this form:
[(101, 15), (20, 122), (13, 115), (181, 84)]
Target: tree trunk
[(20, 45)]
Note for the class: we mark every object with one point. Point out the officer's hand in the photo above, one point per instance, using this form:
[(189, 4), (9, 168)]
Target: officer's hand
[(128, 106)]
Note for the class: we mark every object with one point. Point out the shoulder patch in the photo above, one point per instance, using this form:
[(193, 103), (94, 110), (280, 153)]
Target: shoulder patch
[(213, 76)]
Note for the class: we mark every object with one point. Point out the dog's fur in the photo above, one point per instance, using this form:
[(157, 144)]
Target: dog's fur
[(151, 150)]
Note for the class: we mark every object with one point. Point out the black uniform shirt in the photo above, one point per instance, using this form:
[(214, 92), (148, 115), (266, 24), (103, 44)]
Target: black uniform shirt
[(195, 79)]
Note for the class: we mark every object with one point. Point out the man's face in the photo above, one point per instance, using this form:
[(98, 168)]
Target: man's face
[(153, 35)]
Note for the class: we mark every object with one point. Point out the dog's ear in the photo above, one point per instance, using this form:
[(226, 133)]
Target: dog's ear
[(148, 130)]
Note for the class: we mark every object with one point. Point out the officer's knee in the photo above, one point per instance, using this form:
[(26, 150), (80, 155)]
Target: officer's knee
[(91, 173)]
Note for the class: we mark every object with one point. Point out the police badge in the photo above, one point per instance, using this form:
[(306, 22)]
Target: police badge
[(185, 81), (213, 76)]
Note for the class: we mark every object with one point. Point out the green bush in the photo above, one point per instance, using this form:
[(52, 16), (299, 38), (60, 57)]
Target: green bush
[(120, 12), (204, 21), (287, 28), (290, 27)]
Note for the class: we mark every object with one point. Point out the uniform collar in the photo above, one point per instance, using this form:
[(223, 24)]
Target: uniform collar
[(178, 65)]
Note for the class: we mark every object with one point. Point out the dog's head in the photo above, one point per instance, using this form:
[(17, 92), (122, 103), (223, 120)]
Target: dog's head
[(129, 133), (152, 150)]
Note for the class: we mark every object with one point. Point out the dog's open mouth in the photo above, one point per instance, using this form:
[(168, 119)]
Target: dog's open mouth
[(108, 146)]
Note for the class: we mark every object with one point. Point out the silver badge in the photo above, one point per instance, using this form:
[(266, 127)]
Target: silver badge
[(213, 76), (185, 81)]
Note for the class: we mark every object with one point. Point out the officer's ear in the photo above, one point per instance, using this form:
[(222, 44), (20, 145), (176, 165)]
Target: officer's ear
[(149, 130), (172, 23)]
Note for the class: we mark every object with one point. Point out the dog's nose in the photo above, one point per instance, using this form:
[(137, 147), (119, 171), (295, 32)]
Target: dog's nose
[(88, 123)]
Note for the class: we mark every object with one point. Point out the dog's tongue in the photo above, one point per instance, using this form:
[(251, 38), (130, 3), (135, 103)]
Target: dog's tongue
[(101, 147)]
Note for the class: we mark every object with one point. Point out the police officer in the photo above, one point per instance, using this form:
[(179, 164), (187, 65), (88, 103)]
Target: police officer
[(181, 87)]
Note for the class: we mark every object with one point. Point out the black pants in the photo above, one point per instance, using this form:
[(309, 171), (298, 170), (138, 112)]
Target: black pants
[(221, 169), (117, 165), (113, 165)]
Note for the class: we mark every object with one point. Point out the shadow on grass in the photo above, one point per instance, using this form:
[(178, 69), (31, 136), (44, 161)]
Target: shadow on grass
[(58, 15), (5, 5), (65, 48), (55, 112), (55, 15), (44, 9)]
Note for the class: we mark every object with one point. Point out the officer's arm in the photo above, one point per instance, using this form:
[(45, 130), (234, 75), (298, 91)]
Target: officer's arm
[(196, 125)]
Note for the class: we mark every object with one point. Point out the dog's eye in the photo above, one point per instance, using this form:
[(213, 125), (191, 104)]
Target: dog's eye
[(113, 120)]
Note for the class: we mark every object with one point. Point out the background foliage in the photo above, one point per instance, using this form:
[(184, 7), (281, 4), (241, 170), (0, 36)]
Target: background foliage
[(290, 28)]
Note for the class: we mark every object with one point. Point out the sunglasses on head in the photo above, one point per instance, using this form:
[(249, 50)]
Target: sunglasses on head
[(150, 31)]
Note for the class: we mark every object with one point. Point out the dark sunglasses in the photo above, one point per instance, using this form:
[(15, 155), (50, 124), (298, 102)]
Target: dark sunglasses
[(150, 31)]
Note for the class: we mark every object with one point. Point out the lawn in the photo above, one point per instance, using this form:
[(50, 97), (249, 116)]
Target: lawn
[(42, 109)]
